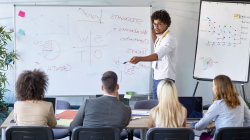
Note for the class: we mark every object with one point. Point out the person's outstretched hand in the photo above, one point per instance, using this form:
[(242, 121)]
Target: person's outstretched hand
[(134, 60)]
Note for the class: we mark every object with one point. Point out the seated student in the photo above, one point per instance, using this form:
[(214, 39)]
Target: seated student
[(169, 112), (106, 110), (228, 108), (30, 109)]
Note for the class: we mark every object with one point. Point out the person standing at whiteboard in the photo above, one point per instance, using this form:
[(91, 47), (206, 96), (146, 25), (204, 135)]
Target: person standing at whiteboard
[(165, 49)]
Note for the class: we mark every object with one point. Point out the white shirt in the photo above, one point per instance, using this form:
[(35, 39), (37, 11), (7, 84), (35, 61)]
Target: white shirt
[(164, 67), (224, 116), (157, 117)]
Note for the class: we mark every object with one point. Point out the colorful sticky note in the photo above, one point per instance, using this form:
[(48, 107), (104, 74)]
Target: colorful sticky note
[(21, 13), (236, 16), (126, 96), (21, 31)]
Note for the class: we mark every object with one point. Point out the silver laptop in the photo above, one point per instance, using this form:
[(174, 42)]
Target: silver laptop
[(52, 100), (194, 108)]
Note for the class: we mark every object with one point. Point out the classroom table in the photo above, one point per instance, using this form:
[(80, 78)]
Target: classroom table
[(141, 124)]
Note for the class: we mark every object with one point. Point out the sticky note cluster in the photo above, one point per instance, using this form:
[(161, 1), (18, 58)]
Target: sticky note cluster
[(236, 16), (21, 13)]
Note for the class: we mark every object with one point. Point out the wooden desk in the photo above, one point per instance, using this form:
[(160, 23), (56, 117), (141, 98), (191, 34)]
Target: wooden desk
[(141, 124)]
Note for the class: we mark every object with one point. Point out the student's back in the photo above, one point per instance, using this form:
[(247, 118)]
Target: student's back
[(30, 109), (34, 113), (225, 116), (106, 111)]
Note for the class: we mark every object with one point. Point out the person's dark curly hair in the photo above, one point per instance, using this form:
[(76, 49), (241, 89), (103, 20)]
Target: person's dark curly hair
[(31, 85), (161, 15)]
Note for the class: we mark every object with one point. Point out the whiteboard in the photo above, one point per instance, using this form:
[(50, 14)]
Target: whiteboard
[(75, 45), (223, 41)]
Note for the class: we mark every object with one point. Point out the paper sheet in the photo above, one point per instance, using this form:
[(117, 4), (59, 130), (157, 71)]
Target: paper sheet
[(67, 114), (140, 113), (64, 122)]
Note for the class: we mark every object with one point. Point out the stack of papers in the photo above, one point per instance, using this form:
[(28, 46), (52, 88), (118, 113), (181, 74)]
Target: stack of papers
[(140, 113)]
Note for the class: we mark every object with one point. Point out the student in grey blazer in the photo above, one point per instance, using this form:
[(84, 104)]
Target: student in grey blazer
[(106, 110)]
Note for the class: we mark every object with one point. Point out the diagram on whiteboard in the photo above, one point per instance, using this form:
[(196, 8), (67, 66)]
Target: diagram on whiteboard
[(51, 50), (207, 63), (54, 25), (223, 41), (221, 33)]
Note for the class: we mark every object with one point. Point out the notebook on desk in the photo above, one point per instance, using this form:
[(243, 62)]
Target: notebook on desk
[(194, 108)]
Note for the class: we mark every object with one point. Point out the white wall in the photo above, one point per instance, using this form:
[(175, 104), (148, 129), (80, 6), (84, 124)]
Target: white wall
[(184, 14)]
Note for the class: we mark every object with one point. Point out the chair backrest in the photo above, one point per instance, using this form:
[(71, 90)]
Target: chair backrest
[(94, 133), (62, 104), (170, 134), (145, 104), (29, 133), (232, 133)]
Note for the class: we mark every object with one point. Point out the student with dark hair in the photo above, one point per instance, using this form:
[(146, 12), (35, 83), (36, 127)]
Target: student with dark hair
[(30, 109), (106, 110), (164, 57), (228, 108)]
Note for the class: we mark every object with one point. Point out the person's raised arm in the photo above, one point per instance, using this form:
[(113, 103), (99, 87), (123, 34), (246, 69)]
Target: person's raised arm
[(154, 37), (136, 59)]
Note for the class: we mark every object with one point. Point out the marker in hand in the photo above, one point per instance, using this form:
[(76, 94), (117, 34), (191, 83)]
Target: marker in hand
[(126, 62)]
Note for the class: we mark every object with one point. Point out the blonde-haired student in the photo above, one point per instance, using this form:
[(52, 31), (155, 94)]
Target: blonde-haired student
[(169, 112)]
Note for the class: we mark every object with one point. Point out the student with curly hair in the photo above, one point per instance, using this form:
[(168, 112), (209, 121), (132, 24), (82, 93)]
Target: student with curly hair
[(228, 108), (164, 57), (30, 109)]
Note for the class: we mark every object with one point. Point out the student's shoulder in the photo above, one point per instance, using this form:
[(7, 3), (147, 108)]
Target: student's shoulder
[(218, 102)]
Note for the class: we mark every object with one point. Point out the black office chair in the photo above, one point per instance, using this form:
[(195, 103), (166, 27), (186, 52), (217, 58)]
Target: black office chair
[(94, 133), (232, 133), (29, 133), (144, 104), (170, 134)]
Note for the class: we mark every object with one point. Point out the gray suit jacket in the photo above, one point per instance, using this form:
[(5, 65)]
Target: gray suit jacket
[(103, 111)]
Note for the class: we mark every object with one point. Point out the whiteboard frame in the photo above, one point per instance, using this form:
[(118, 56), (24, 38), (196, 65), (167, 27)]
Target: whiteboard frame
[(52, 95), (222, 1)]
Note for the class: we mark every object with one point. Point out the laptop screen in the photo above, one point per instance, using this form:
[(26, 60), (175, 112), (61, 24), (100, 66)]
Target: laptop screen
[(52, 100), (193, 106)]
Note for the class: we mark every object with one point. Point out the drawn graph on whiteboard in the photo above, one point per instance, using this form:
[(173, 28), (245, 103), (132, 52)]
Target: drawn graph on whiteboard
[(54, 25), (207, 63), (220, 32), (44, 25), (91, 17), (51, 50)]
